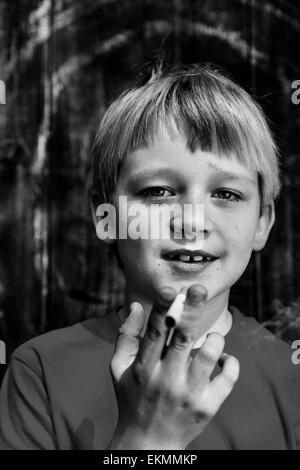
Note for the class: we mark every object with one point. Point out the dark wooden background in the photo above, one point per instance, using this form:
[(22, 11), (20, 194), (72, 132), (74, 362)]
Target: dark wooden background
[(63, 62)]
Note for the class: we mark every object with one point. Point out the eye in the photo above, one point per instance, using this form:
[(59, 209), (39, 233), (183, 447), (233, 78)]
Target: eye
[(227, 195), (157, 192)]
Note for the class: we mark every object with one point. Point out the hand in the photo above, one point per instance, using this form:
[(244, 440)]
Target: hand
[(165, 401)]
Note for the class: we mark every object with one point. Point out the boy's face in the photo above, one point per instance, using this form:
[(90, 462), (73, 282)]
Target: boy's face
[(232, 226)]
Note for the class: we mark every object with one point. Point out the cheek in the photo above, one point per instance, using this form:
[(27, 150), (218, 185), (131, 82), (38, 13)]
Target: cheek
[(241, 238), (137, 252), (244, 226)]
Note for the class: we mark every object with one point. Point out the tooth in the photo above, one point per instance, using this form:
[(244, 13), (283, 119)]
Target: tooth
[(185, 258), (197, 258)]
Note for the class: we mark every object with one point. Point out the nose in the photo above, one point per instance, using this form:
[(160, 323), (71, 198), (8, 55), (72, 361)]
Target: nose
[(192, 221)]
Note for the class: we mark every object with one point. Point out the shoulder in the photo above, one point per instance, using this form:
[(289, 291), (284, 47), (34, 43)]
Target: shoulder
[(268, 351), (255, 335), (70, 346)]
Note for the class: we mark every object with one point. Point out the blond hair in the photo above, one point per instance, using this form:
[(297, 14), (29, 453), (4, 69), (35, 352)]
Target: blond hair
[(208, 107)]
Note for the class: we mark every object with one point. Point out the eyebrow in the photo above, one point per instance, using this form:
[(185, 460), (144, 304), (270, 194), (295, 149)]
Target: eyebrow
[(152, 173), (232, 176), (140, 176)]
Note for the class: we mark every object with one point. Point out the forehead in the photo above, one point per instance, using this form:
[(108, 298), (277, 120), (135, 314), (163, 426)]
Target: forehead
[(169, 154)]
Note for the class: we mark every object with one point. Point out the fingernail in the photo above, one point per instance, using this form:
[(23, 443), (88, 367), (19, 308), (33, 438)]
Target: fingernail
[(167, 295), (196, 294)]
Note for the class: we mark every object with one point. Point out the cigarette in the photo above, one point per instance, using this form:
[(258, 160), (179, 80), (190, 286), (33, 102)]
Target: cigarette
[(175, 311)]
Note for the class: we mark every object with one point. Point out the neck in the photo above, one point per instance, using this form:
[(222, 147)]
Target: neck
[(221, 326)]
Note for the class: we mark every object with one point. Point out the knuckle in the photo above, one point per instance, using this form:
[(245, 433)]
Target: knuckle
[(123, 329), (186, 399), (140, 373), (216, 341), (153, 332), (209, 406), (181, 339), (168, 395), (203, 412), (209, 411), (210, 354), (201, 415)]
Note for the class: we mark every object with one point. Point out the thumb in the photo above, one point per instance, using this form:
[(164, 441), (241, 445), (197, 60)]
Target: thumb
[(127, 344)]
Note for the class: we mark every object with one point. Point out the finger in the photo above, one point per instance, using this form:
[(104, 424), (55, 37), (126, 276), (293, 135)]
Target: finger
[(205, 360), (134, 323), (128, 340), (221, 386), (194, 310), (156, 332), (187, 332)]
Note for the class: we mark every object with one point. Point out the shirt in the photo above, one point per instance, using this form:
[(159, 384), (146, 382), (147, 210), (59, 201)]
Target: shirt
[(58, 393)]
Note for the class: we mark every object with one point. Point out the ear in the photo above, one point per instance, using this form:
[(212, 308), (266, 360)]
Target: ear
[(264, 225), (102, 220)]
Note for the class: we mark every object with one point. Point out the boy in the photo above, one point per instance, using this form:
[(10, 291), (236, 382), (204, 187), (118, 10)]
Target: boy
[(189, 137)]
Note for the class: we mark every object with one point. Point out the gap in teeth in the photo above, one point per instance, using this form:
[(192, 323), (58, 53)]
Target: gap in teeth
[(190, 259)]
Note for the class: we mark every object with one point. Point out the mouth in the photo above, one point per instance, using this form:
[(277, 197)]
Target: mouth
[(189, 256)]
